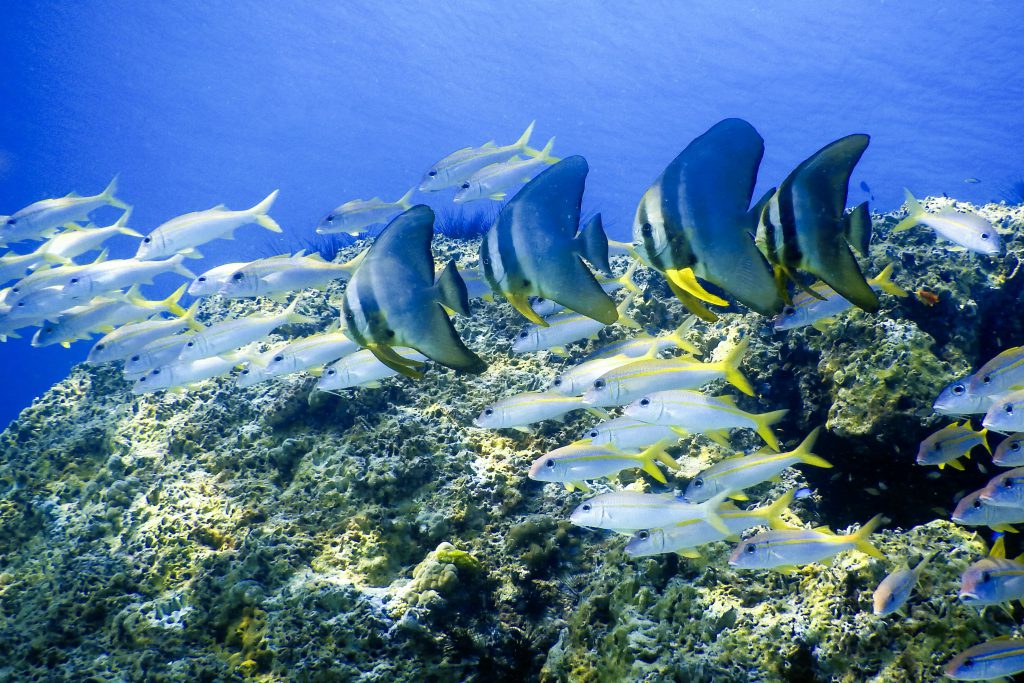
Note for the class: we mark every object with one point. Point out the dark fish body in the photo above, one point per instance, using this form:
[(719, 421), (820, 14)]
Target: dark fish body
[(695, 220), (806, 227), (392, 299), (533, 249)]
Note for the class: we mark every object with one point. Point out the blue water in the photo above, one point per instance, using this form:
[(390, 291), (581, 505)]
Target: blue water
[(195, 104)]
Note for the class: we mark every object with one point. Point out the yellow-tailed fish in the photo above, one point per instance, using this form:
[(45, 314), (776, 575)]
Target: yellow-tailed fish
[(309, 353), (562, 329), (109, 276), (626, 433), (1005, 489), (393, 300), (895, 589), (278, 276), (975, 394), (973, 511), (995, 659), (784, 549), (361, 369), (732, 475), (826, 305), (647, 345), (577, 463), (684, 538), (1010, 451), (50, 277), (629, 382), (694, 412), (459, 166), (212, 280), (126, 340), (1005, 413), (43, 218), (182, 374), (184, 233), (155, 354), (70, 244), (575, 380), (949, 444), (17, 266), (993, 579), (968, 230), (695, 222), (524, 409), (231, 334), (492, 181), (357, 215), (626, 511)]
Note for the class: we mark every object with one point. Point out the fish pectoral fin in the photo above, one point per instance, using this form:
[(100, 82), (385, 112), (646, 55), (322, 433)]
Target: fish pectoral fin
[(956, 465), (824, 324), (785, 568), (521, 303), (598, 412), (739, 495), (581, 485), (689, 553), (524, 430), (687, 281), (388, 356)]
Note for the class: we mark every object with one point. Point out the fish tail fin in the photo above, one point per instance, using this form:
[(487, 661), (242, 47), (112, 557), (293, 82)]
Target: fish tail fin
[(122, 224), (764, 423), (983, 433), (626, 279), (654, 454), (858, 228), (677, 335), (524, 139), (624, 318), (545, 154), (353, 263), (405, 201), (884, 281), (592, 243), (180, 268), (861, 536), (108, 195), (260, 213), (189, 317), (914, 212), (803, 451), (172, 305), (711, 515), (292, 317), (731, 366), (773, 513), (53, 258), (451, 290)]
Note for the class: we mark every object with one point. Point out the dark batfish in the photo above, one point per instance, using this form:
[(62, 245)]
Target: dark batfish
[(806, 227), (696, 221), (533, 249), (392, 299)]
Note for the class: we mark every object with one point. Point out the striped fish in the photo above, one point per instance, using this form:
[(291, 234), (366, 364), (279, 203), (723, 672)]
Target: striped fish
[(975, 394), (533, 249), (524, 409), (993, 579), (1010, 451), (694, 222), (949, 444), (992, 659), (804, 225), (577, 463), (392, 299), (783, 549)]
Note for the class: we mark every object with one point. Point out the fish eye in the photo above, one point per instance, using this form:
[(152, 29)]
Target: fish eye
[(74, 280), (134, 359), (147, 240), (156, 372), (330, 219), (984, 235), (968, 662), (190, 344), (237, 276), (987, 379), (331, 372), (985, 577), (524, 334), (646, 228), (142, 379), (788, 310), (21, 303), (549, 463), (643, 535), (432, 173), (644, 402), (593, 433), (350, 316), (586, 507), (100, 347), (246, 371), (557, 382), (1008, 408), (599, 384), (465, 186), (937, 448), (958, 389), (488, 411), (1015, 446), (202, 278), (278, 358), (390, 333), (750, 549), (977, 503), (12, 221), (1008, 483), (698, 483)]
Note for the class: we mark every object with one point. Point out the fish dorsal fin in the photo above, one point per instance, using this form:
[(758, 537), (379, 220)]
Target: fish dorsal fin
[(376, 199), (219, 207), (406, 239), (558, 190), (826, 174), (726, 399), (998, 548), (72, 195), (824, 530), (316, 257), (489, 143)]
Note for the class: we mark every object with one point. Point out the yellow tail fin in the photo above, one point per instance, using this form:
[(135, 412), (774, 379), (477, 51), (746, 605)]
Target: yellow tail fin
[(773, 513), (803, 451), (731, 367), (624, 318), (860, 537), (189, 318), (764, 422), (914, 213), (171, 302), (884, 282)]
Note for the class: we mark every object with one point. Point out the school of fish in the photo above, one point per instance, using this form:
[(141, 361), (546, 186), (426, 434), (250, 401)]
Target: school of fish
[(695, 225)]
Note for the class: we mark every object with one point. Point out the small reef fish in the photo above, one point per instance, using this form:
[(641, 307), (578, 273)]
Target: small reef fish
[(212, 280), (992, 660), (567, 327), (43, 218), (625, 433), (645, 344), (975, 394), (576, 379), (994, 579), (392, 299), (631, 381), (234, 333), (361, 369), (126, 340), (522, 410), (103, 314), (109, 276), (181, 235), (40, 305), (533, 249), (973, 511), (968, 230), (821, 312), (70, 244), (685, 537), (491, 181), (740, 472), (44, 278), (188, 373), (694, 222), (546, 307), (1006, 413), (805, 225), (631, 511), (155, 354), (1005, 489), (895, 589), (356, 216), (785, 549), (577, 463), (17, 266), (694, 412), (949, 444), (280, 275), (1010, 451), (459, 166), (309, 352)]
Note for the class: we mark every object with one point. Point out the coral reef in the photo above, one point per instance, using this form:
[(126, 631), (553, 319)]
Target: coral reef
[(275, 533)]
